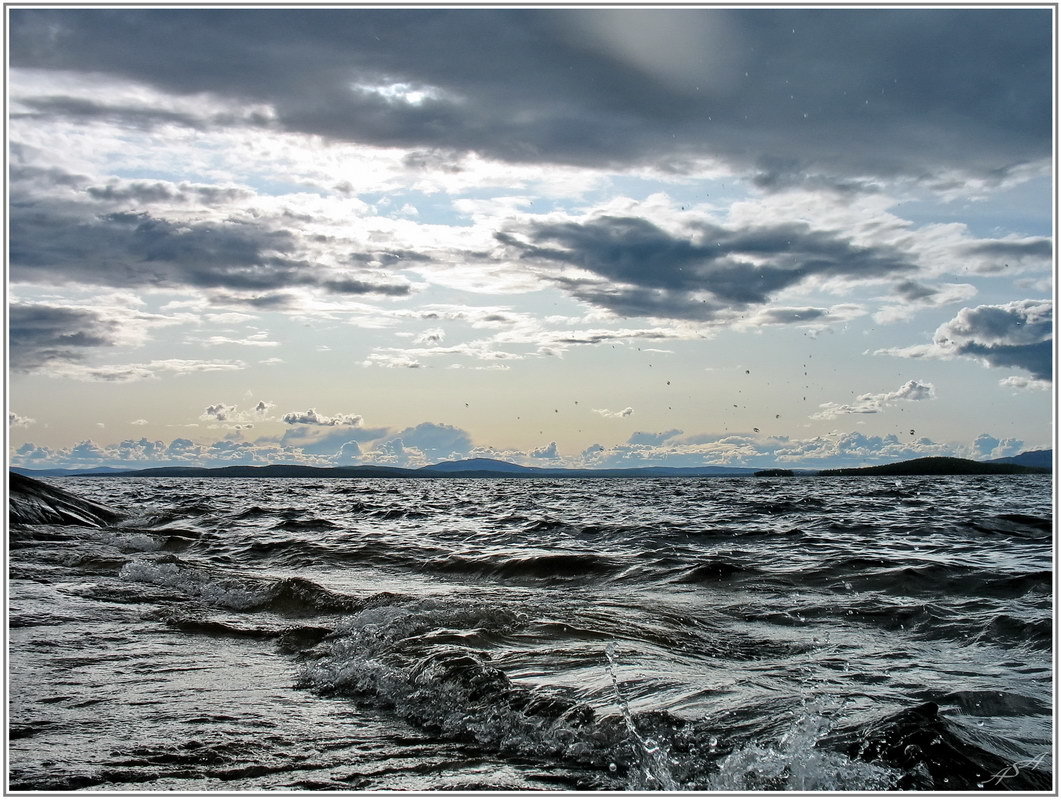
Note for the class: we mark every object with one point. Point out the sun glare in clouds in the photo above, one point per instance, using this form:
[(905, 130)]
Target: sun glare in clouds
[(580, 237)]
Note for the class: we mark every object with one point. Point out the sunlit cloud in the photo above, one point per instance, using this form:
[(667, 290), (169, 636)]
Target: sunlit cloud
[(911, 391), (604, 412), (151, 370)]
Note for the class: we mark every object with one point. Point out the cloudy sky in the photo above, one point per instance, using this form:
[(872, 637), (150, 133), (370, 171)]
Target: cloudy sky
[(598, 237)]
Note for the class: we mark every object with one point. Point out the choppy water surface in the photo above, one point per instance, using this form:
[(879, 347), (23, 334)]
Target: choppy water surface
[(443, 634)]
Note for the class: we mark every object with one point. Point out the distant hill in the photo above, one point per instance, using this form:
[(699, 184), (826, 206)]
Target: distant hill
[(939, 465), (492, 468), (1030, 458), (481, 465), (469, 468), (270, 471), (63, 473), (489, 467)]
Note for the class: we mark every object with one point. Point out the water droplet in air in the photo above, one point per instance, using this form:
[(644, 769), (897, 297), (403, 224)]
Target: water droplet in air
[(612, 767), (712, 742)]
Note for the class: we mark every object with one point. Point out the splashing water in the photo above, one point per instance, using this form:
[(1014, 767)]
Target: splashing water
[(652, 756), (797, 764)]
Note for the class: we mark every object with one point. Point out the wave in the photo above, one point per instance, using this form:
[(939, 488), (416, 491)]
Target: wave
[(717, 570), (458, 692), (311, 524), (292, 596), (461, 693), (550, 566), (755, 659), (933, 754), (1023, 525), (790, 506)]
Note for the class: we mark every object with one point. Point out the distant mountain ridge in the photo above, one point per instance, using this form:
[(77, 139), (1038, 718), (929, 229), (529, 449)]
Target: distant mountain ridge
[(492, 466), (63, 473), (1035, 461), (472, 468), (1029, 458), (940, 465), (480, 465)]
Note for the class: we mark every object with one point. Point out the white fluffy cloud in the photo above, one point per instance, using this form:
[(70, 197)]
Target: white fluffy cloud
[(430, 443), (219, 411), (912, 391), (549, 451), (311, 417), (1023, 384), (604, 412)]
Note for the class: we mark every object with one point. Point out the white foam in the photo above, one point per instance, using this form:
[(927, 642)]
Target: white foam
[(217, 592)]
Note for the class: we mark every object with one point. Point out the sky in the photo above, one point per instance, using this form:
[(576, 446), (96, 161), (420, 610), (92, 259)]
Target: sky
[(598, 237)]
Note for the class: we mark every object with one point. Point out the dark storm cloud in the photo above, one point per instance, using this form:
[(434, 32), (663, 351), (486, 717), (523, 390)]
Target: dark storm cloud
[(351, 286), (1035, 358), (997, 255), (774, 174), (40, 334), (648, 271), (81, 110), (1035, 248), (148, 192), (1016, 334), (49, 176), (389, 258), (790, 316), (629, 301), (790, 95), (125, 249), (911, 291), (277, 301)]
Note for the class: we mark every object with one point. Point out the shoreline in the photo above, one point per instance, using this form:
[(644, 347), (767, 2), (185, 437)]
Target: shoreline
[(932, 466)]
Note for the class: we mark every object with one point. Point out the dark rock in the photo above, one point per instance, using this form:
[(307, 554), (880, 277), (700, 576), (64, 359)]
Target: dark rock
[(33, 502)]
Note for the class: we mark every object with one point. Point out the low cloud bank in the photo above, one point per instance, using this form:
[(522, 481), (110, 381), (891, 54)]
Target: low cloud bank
[(430, 443)]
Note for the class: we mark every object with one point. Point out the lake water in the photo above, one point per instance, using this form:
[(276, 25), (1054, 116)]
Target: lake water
[(478, 634)]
